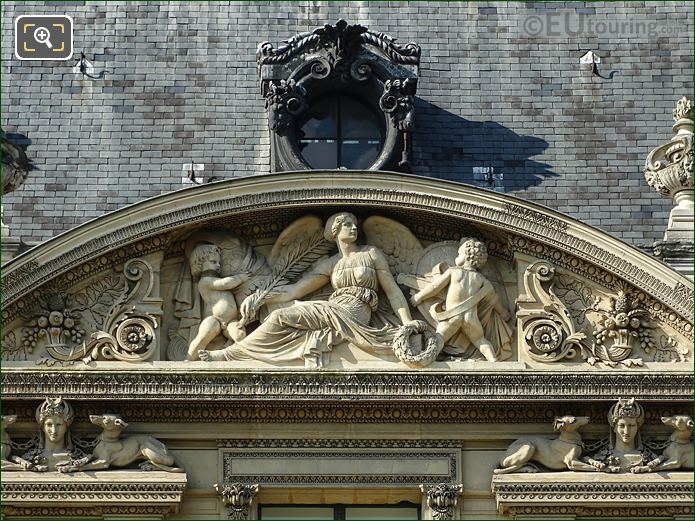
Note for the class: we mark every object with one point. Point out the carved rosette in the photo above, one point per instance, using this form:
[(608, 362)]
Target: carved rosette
[(238, 499), (548, 333), (669, 170), (442, 500), (284, 101)]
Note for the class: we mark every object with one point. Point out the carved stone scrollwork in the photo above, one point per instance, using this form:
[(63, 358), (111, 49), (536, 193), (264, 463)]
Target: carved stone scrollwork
[(442, 500), (345, 37), (284, 101), (669, 170), (547, 330), (129, 329), (238, 499)]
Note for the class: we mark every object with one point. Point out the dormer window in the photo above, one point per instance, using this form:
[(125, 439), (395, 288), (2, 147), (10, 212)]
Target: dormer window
[(340, 132), (339, 97)]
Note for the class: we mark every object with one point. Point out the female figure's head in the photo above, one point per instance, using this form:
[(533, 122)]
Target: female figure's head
[(55, 416), (341, 227), (625, 418)]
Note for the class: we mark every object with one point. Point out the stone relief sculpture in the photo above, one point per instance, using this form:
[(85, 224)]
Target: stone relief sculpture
[(238, 499), (56, 449), (220, 306), (309, 330), (678, 453), (442, 500), (115, 317), (10, 462), (113, 451), (214, 278), (623, 452), (617, 329), (547, 329), (460, 301), (562, 453), (563, 319)]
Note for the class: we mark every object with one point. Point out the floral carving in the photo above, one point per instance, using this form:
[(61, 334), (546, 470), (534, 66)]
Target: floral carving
[(237, 499), (442, 500)]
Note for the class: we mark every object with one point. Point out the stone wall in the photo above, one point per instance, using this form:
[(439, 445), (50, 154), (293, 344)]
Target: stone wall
[(180, 84)]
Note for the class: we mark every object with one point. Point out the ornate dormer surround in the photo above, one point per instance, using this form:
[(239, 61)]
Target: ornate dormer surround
[(333, 60)]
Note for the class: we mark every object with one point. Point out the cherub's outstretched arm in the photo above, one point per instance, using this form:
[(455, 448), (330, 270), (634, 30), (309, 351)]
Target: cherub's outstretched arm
[(432, 288), (231, 282)]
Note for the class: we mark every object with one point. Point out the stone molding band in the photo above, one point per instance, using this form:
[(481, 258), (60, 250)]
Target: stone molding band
[(185, 207), (430, 386)]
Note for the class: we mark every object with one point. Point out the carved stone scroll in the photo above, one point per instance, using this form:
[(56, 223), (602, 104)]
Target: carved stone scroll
[(547, 332)]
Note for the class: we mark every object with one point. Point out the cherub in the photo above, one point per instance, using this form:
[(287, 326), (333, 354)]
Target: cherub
[(467, 289), (221, 309)]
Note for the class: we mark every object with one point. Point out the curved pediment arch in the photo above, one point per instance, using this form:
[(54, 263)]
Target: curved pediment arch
[(135, 257), (167, 213)]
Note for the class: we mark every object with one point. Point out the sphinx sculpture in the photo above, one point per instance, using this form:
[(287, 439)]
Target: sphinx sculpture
[(623, 452), (56, 449)]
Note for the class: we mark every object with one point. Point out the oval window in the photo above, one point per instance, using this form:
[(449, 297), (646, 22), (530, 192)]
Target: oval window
[(340, 132)]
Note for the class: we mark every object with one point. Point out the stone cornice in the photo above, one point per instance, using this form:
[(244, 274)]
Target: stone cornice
[(187, 383), (385, 190), (594, 494), (150, 495)]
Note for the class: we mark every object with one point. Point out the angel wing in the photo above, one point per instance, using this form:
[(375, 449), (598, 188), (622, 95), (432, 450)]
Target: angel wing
[(298, 247), (401, 247)]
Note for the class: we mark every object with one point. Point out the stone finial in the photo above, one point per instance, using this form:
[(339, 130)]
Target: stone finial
[(669, 170)]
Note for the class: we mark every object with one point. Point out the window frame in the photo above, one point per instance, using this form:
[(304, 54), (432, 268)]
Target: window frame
[(339, 509)]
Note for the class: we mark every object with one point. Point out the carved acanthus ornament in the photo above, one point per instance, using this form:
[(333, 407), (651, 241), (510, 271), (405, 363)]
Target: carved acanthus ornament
[(547, 329), (238, 499), (669, 170), (442, 500)]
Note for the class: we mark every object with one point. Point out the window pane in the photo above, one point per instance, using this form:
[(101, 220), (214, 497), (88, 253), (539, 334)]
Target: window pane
[(290, 513), (358, 154), (318, 153), (377, 513), (323, 120), (357, 121)]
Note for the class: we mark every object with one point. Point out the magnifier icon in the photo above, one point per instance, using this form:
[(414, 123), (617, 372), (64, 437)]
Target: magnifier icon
[(42, 35)]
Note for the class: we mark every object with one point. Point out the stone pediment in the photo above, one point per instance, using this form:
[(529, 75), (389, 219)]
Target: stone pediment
[(583, 313)]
